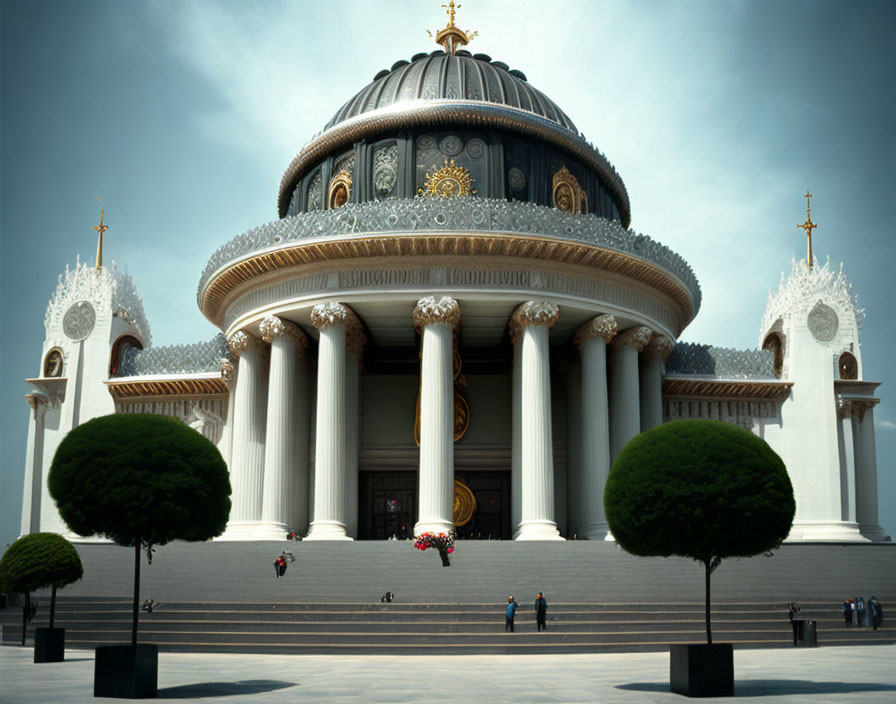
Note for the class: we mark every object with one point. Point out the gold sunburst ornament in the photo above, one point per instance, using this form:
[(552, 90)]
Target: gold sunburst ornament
[(450, 180)]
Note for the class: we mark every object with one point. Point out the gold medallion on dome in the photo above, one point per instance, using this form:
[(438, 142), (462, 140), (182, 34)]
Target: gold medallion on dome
[(464, 503), (451, 180)]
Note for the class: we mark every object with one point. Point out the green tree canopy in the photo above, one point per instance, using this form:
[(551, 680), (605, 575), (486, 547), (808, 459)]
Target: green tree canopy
[(140, 478), (37, 561), (698, 488)]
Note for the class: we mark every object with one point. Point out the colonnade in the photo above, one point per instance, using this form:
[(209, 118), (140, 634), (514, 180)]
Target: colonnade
[(267, 439), (859, 480)]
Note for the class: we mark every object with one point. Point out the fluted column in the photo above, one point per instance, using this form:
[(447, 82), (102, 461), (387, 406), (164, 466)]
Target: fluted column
[(592, 339), (625, 415), (34, 475), (436, 319), (516, 435), (225, 444), (285, 499), (354, 349), (530, 325), (653, 361), (247, 453), (862, 413), (575, 509), (329, 464)]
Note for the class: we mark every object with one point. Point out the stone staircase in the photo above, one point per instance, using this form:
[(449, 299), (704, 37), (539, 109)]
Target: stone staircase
[(419, 628)]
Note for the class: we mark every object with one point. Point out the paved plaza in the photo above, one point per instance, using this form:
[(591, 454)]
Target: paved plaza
[(837, 675)]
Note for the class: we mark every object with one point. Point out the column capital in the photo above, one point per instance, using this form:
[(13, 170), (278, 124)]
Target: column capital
[(660, 347), (603, 326), (436, 310), (637, 337), (273, 327), (228, 372), (241, 341), (855, 407), (38, 403), (539, 313), (325, 315)]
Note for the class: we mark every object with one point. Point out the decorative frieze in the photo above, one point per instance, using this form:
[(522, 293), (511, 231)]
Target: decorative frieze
[(603, 326), (741, 413), (637, 337), (430, 309), (539, 313)]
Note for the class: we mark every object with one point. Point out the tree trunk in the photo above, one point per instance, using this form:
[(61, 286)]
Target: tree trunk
[(25, 609), (53, 606), (708, 626), (136, 591)]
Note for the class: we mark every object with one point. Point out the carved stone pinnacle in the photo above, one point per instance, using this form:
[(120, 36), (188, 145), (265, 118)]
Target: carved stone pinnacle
[(436, 310), (603, 326)]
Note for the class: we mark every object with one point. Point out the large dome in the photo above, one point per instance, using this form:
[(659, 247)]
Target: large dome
[(462, 76)]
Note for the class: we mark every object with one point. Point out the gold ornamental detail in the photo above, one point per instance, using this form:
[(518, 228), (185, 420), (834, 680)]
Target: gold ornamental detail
[(340, 190), (808, 226), (452, 36), (451, 180), (464, 504), (567, 195)]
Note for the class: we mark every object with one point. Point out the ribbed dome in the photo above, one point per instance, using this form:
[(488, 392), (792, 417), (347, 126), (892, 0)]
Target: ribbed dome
[(463, 77)]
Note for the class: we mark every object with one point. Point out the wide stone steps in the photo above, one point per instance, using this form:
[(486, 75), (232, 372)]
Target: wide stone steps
[(429, 628)]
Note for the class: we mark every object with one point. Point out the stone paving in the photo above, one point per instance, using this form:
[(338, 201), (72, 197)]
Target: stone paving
[(836, 675)]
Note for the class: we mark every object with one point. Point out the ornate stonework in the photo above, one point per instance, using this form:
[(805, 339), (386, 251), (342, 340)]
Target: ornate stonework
[(240, 341), (324, 315), (78, 321), (637, 337), (38, 403), (436, 310), (567, 195), (340, 190), (273, 327), (603, 326), (660, 347), (533, 313), (848, 407), (451, 180), (823, 322), (228, 372)]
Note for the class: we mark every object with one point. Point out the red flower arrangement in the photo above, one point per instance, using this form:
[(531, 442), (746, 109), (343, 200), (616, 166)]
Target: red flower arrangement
[(442, 542)]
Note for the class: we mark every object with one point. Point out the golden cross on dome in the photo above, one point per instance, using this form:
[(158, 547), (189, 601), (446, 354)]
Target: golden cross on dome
[(808, 226), (100, 229), (451, 37)]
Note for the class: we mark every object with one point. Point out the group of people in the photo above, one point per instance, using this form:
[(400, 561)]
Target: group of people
[(857, 613), (541, 612)]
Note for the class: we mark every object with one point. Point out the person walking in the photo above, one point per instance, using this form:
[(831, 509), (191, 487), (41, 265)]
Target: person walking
[(511, 612), (793, 608), (541, 612)]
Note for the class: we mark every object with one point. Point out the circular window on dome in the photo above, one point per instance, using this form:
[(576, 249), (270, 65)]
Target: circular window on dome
[(53, 364), (849, 366), (78, 321), (775, 344), (823, 322)]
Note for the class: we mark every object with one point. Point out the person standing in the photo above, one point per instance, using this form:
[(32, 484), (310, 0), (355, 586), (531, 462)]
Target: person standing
[(793, 609), (877, 613), (541, 612), (860, 611), (511, 612), (847, 613)]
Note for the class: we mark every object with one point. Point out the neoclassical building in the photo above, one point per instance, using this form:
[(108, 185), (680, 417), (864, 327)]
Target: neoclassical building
[(450, 327)]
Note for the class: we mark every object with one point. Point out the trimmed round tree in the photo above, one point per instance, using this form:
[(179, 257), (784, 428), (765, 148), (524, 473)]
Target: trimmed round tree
[(37, 561), (701, 489), (140, 480)]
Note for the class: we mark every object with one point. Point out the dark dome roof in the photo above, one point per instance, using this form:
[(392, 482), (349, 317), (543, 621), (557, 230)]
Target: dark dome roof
[(441, 76)]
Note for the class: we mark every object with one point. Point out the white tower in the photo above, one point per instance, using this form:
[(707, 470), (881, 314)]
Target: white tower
[(826, 430), (94, 313)]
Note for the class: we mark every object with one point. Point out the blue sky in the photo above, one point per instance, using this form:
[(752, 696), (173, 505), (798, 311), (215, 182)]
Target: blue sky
[(184, 115)]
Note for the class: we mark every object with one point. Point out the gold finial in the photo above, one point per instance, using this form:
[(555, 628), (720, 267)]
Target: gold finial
[(452, 36), (101, 228), (808, 226)]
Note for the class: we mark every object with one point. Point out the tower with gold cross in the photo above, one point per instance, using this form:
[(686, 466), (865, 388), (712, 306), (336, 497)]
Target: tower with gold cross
[(808, 226), (100, 229)]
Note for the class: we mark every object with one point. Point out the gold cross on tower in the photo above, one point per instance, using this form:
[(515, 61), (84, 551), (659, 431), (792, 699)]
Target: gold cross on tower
[(452, 36), (808, 226), (101, 228)]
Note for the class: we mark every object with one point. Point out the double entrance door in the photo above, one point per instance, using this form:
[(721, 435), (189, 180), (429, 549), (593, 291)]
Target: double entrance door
[(388, 505)]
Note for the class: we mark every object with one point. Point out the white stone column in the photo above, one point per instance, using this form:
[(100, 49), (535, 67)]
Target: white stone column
[(530, 325), (436, 320), (653, 363), (846, 452), (592, 339), (285, 501), (625, 415), (574, 471), (247, 454), (866, 468), (516, 450), (34, 475), (225, 444), (329, 464), (354, 349)]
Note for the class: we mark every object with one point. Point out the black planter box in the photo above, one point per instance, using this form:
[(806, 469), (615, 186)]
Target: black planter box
[(702, 670), (126, 671), (49, 644)]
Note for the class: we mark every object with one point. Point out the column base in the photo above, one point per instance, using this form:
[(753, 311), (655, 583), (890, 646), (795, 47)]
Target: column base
[(538, 530), (253, 530), (327, 530), (597, 531), (826, 531), (433, 527), (874, 533)]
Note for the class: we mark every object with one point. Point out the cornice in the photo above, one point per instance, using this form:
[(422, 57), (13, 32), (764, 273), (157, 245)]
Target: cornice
[(741, 390), (154, 387)]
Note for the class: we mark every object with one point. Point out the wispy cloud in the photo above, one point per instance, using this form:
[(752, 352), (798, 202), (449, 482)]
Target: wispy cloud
[(884, 424)]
